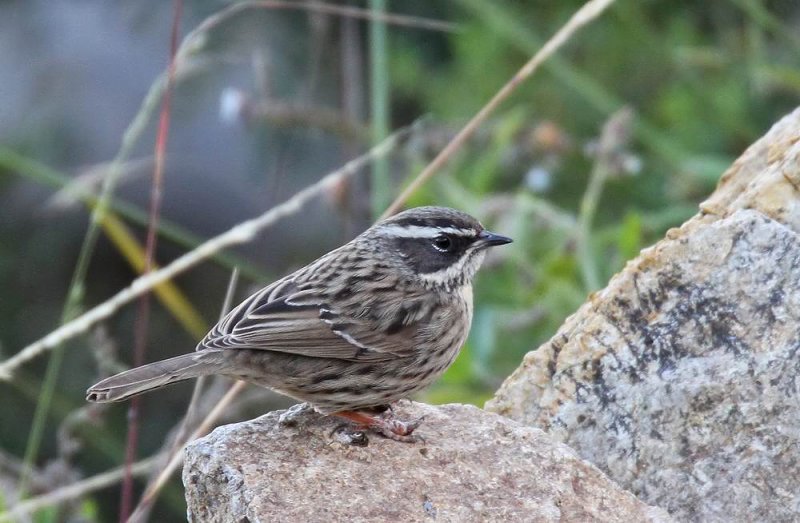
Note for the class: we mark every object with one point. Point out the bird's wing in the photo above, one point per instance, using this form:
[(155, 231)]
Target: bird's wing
[(285, 317)]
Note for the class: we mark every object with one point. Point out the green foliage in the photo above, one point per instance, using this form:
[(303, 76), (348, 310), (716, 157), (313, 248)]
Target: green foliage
[(89, 510), (46, 515), (629, 240)]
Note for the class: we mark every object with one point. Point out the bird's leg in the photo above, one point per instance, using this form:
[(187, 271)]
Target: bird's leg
[(384, 425)]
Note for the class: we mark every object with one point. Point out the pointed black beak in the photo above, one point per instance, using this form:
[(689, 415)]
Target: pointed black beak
[(491, 239)]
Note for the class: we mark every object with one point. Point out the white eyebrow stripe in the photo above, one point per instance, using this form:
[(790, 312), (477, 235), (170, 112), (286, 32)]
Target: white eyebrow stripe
[(418, 231)]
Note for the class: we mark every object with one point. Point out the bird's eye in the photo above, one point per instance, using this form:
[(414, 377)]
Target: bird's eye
[(443, 244)]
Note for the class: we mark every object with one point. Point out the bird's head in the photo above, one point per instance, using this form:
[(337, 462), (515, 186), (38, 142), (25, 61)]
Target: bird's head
[(442, 247)]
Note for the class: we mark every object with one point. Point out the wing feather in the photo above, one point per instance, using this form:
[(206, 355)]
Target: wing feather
[(290, 318)]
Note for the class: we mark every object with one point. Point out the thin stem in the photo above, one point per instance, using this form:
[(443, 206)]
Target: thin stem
[(40, 415), (143, 316), (588, 209), (615, 134), (379, 101)]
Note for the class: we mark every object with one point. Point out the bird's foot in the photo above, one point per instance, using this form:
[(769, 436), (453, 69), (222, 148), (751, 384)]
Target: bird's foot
[(384, 424)]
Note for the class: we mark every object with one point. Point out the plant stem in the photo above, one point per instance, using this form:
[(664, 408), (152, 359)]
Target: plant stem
[(379, 99)]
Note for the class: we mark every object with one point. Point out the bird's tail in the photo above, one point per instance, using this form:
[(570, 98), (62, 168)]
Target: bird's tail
[(155, 375)]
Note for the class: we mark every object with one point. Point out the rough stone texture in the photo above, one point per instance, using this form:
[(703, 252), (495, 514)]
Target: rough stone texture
[(473, 466), (680, 379)]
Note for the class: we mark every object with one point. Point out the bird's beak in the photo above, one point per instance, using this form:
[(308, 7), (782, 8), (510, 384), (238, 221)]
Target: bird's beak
[(491, 239)]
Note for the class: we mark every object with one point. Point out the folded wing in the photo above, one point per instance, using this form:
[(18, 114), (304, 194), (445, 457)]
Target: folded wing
[(285, 317)]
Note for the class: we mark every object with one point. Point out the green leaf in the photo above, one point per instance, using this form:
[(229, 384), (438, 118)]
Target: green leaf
[(629, 242)]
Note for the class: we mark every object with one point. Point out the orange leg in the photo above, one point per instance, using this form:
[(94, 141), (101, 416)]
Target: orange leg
[(385, 426)]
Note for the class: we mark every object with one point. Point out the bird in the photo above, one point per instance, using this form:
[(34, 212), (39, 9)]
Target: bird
[(360, 328)]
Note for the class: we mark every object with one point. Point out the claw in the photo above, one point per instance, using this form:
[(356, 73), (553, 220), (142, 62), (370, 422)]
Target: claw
[(413, 424)]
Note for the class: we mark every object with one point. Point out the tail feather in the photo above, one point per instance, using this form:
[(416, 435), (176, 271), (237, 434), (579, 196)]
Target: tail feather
[(153, 376)]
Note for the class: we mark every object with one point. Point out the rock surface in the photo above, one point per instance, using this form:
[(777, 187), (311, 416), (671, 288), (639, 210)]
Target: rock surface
[(472, 466), (680, 380)]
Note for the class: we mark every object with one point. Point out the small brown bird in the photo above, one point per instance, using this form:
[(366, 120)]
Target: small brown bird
[(361, 327)]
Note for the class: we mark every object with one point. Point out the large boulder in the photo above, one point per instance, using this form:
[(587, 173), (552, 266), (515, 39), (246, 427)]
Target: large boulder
[(680, 379), (471, 466)]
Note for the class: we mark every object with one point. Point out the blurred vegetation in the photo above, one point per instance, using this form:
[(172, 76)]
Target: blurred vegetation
[(704, 81), (614, 141)]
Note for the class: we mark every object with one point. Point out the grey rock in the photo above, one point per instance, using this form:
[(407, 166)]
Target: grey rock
[(680, 379), (472, 466)]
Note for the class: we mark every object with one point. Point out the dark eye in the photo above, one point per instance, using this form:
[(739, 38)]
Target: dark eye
[(443, 244)]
